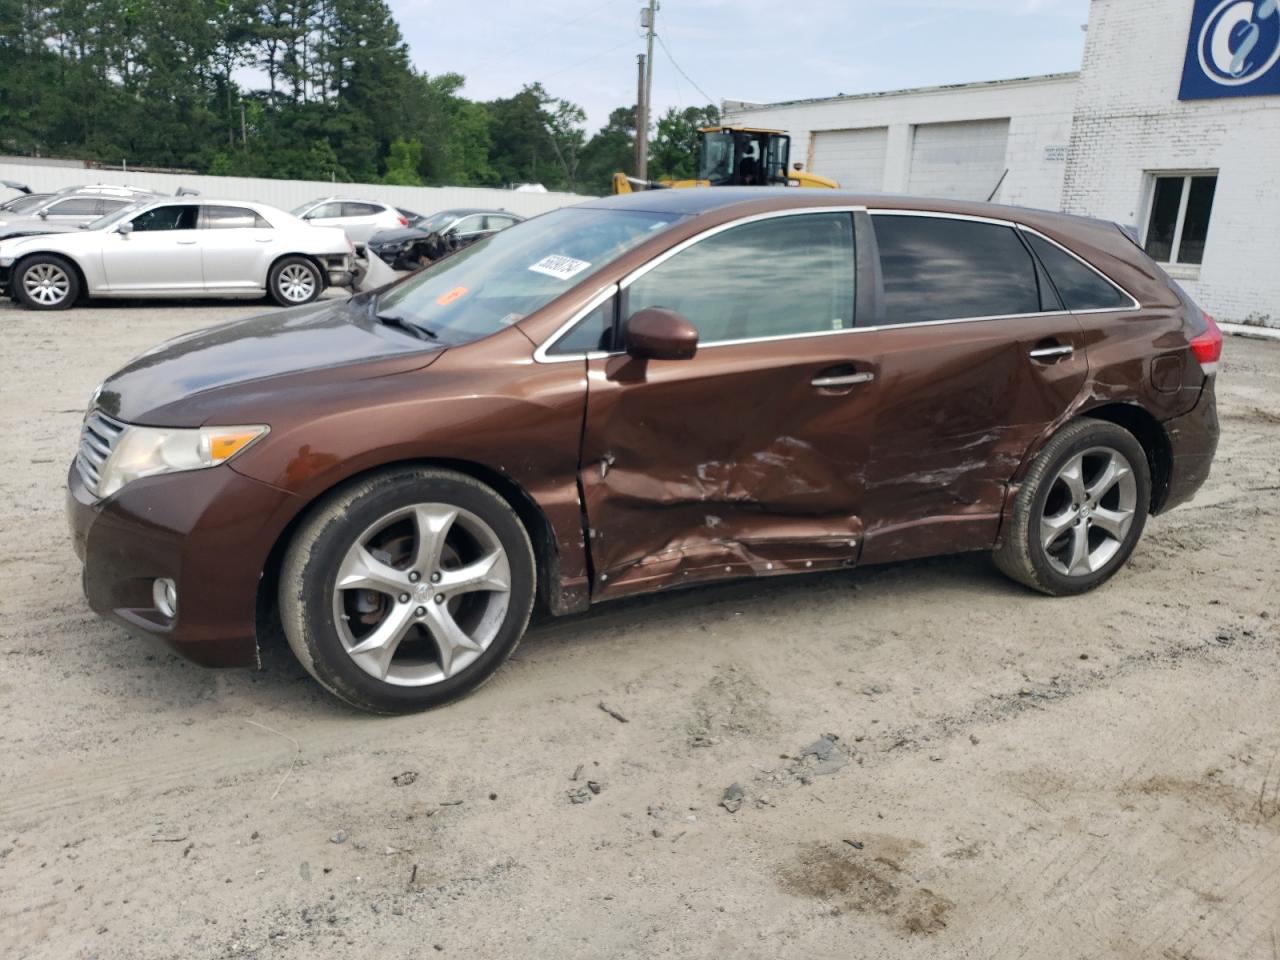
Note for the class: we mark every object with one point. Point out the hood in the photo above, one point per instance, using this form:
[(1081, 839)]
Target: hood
[(31, 226), (399, 235), (239, 365)]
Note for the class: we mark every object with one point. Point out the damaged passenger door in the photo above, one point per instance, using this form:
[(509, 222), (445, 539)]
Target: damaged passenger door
[(748, 457)]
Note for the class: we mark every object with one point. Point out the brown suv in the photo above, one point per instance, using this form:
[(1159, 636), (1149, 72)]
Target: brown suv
[(635, 394)]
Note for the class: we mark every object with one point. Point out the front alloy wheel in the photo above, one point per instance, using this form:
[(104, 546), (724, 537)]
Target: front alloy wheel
[(45, 282), (421, 594), (407, 588)]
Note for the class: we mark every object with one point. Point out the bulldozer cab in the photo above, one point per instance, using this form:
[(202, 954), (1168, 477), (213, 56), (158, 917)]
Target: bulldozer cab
[(743, 157)]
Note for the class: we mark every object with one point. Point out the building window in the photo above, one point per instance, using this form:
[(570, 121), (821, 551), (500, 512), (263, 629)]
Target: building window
[(1179, 219)]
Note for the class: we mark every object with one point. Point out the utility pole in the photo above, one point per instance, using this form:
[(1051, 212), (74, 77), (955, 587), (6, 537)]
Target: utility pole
[(647, 20), (642, 116)]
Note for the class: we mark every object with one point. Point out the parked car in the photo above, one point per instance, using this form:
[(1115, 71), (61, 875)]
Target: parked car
[(69, 209), (179, 248), (408, 248), (361, 219), (638, 393)]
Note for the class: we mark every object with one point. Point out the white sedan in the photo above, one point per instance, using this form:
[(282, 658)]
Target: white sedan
[(180, 247)]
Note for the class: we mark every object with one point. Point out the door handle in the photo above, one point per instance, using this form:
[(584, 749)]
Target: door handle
[(1049, 353), (262, 239), (187, 242), (844, 380)]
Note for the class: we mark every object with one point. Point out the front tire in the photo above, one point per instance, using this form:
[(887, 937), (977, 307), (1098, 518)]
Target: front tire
[(407, 589), (1080, 510), (45, 282), (294, 281)]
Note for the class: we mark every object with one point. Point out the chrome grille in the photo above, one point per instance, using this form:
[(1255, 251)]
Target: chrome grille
[(98, 438)]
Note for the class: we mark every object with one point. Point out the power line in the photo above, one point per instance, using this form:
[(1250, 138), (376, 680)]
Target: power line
[(663, 44)]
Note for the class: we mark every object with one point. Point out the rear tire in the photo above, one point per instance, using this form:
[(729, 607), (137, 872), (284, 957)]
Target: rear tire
[(1080, 510), (407, 589), (294, 281), (45, 282)]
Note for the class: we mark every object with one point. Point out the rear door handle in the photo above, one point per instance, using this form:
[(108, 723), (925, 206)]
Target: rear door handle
[(1049, 353), (262, 239), (186, 242), (844, 380)]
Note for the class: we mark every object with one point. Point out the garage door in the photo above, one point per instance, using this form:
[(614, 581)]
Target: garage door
[(853, 157), (963, 161)]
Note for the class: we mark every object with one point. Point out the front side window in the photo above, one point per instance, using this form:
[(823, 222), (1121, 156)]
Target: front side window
[(592, 333), (229, 218), (782, 276), (937, 268), (503, 278), (1178, 222), (171, 217)]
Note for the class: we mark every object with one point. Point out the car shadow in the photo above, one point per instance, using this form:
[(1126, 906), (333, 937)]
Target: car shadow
[(282, 685)]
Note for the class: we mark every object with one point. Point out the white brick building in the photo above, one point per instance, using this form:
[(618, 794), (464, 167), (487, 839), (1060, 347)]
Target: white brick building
[(1196, 178), (955, 141)]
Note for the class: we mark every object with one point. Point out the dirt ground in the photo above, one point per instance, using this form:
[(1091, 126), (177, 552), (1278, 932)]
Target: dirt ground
[(933, 761)]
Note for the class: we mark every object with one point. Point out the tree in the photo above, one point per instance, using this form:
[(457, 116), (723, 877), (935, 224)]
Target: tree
[(403, 162), (563, 125), (674, 152), (611, 150)]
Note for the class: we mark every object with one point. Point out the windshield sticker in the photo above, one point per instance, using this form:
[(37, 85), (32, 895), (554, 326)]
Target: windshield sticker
[(447, 298), (562, 268)]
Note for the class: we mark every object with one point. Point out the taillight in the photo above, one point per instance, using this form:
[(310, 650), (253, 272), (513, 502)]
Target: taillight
[(1207, 346), (404, 221)]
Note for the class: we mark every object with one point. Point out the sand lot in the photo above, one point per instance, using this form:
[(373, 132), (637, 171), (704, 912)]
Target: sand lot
[(1006, 775)]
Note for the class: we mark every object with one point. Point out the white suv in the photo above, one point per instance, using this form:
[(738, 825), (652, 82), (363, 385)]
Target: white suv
[(360, 218)]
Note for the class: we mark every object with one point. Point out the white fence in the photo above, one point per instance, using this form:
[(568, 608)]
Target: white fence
[(42, 177)]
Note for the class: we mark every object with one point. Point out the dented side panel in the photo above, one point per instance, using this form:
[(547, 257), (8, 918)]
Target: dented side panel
[(957, 407), (732, 463)]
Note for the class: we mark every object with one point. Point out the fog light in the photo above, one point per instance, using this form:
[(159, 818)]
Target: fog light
[(164, 593)]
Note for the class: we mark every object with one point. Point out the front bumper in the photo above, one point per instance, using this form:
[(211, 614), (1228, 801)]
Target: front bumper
[(210, 531), (1193, 440)]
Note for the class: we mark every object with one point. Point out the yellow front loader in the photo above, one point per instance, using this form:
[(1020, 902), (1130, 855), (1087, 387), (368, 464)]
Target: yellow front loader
[(736, 157)]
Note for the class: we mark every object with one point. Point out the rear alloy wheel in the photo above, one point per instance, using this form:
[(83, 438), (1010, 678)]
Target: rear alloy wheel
[(408, 589), (295, 281), (45, 282), (1080, 511)]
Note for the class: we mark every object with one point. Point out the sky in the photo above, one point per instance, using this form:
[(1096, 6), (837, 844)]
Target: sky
[(760, 50)]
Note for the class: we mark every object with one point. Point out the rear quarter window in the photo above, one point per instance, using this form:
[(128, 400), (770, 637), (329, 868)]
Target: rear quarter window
[(1080, 286)]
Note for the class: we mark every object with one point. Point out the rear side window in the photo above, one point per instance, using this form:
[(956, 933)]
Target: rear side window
[(228, 218), (1080, 286), (941, 269), (359, 209), (783, 276)]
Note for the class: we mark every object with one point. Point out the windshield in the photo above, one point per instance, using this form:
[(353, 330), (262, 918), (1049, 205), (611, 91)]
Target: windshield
[(502, 279), (716, 162), (303, 208), (116, 217)]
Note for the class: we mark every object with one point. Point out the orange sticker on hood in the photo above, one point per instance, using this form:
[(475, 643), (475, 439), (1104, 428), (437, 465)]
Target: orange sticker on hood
[(447, 298)]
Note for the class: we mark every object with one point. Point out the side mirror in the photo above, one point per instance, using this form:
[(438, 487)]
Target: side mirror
[(656, 333), (125, 228)]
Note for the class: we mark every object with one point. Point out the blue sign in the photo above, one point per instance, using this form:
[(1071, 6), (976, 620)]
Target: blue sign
[(1233, 50)]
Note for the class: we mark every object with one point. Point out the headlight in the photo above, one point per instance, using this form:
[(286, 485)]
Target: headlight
[(147, 451)]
